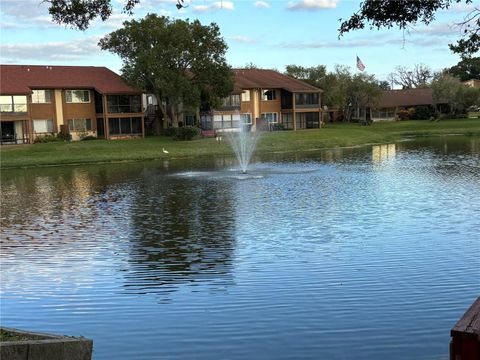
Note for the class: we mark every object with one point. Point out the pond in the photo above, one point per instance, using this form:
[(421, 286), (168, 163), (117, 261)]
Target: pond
[(365, 253)]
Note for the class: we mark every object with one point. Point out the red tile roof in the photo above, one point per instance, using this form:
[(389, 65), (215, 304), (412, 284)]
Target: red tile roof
[(407, 97), (269, 79), (21, 79)]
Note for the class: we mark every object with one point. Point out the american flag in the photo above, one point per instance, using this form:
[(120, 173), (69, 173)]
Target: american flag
[(360, 65)]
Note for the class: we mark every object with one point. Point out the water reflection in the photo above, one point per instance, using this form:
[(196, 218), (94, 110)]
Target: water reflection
[(182, 231), (170, 231), (381, 153), (208, 266)]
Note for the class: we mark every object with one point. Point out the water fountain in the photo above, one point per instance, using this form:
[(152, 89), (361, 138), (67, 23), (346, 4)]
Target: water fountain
[(243, 142)]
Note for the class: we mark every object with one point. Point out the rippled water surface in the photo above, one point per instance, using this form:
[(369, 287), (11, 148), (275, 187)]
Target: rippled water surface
[(368, 253)]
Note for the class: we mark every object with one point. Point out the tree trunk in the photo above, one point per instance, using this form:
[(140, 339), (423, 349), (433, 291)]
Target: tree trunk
[(164, 117)]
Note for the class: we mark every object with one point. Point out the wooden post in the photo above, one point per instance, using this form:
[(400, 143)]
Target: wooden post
[(105, 118), (465, 343), (294, 113)]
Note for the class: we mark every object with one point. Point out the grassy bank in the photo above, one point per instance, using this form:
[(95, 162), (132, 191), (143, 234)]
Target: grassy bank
[(333, 135)]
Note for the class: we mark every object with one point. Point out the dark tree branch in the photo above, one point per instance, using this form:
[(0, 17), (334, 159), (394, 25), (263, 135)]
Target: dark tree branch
[(401, 13)]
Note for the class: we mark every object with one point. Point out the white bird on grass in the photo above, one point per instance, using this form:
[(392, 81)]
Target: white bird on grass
[(165, 151)]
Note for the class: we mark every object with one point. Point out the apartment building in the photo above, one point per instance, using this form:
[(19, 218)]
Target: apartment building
[(80, 100), (266, 97)]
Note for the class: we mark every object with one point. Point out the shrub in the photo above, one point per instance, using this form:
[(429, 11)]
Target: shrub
[(277, 127), (88, 137), (64, 136), (186, 133), (82, 134), (46, 139), (182, 133), (170, 132), (423, 113), (403, 114)]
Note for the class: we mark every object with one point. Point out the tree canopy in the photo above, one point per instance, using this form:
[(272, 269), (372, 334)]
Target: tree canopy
[(466, 69), (402, 13), (344, 90), (319, 77), (419, 76), (448, 89), (79, 13), (178, 60)]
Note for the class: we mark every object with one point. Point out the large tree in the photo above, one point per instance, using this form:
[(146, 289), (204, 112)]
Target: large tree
[(447, 89), (417, 77), (177, 60), (79, 13), (402, 13), (360, 91), (319, 77), (466, 69), (342, 89)]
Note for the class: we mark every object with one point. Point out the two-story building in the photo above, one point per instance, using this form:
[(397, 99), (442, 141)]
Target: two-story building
[(81, 100), (266, 97)]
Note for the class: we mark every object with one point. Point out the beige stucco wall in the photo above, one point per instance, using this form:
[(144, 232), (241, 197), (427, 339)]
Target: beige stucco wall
[(59, 120), (19, 129), (79, 111)]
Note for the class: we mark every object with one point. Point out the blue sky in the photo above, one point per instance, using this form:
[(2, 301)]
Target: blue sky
[(270, 34)]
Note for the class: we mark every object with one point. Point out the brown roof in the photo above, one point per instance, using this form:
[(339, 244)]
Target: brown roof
[(407, 97), (21, 79), (269, 79)]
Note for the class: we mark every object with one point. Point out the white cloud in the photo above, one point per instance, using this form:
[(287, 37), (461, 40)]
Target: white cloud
[(460, 8), (218, 5), (243, 39), (379, 40), (51, 51), (261, 4), (432, 36), (440, 29), (226, 5), (31, 14), (115, 21), (201, 8), (312, 4)]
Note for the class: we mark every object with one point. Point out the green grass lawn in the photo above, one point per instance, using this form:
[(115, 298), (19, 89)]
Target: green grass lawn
[(332, 135)]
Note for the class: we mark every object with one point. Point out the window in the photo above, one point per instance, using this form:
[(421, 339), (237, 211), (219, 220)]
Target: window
[(151, 100), (43, 126), (226, 121), (246, 118), (287, 121), (98, 98), (77, 96), (124, 103), (270, 117), (231, 101), (80, 125), (384, 113), (308, 120), (270, 94), (301, 121), (189, 120), (125, 126), (15, 104), (206, 122), (305, 99), (246, 95), (42, 96)]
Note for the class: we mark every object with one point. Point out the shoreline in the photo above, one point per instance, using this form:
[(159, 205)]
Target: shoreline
[(333, 136)]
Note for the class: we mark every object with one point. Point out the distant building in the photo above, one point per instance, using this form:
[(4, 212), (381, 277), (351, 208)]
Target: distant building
[(80, 100), (391, 101), (266, 98), (474, 83)]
